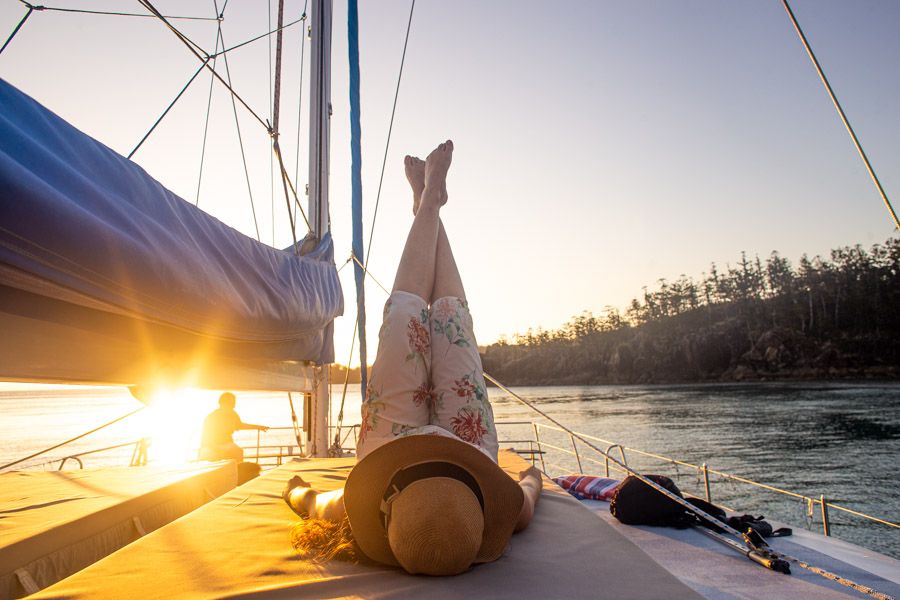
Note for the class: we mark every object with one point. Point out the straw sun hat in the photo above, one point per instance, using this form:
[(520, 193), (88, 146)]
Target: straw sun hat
[(431, 504)]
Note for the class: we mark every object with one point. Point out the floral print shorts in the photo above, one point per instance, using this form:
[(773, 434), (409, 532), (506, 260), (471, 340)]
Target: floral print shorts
[(427, 377)]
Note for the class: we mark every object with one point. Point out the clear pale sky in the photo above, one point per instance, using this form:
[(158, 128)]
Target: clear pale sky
[(601, 146)]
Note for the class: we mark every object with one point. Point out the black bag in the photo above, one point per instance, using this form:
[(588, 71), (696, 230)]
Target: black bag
[(636, 503)]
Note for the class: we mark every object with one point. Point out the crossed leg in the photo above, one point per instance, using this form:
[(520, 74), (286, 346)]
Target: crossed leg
[(458, 401), (446, 278), (398, 396)]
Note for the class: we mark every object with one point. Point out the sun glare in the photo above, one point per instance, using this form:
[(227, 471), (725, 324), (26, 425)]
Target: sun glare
[(174, 420)]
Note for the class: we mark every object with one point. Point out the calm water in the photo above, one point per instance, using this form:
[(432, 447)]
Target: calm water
[(840, 440)]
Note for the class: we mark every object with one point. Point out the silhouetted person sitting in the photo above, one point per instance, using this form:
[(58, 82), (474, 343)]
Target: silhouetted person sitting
[(219, 425)]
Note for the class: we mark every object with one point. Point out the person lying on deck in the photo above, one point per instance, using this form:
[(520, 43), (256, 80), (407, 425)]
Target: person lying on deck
[(426, 493)]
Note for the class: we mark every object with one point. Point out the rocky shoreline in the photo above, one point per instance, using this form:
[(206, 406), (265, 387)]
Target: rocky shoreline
[(726, 352)]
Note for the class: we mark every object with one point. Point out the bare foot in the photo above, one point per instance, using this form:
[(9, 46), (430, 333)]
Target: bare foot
[(295, 482), (300, 497), (436, 166), (415, 173), (530, 472)]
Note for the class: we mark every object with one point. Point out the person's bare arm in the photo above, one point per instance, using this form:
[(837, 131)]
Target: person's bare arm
[(252, 426), (530, 482), (310, 504)]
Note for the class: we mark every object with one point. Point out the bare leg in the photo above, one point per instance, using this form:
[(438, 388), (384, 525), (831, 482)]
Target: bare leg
[(415, 274), (530, 482), (309, 504), (447, 280)]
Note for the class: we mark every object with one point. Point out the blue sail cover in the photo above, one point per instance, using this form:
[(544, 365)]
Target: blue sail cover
[(107, 276)]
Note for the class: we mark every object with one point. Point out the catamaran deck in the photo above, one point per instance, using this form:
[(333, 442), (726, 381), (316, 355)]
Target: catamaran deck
[(719, 573), (239, 545), (54, 523)]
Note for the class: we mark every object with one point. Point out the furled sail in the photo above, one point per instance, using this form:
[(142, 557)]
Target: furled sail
[(108, 277)]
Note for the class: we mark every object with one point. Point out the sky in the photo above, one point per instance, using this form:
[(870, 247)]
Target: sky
[(600, 146)]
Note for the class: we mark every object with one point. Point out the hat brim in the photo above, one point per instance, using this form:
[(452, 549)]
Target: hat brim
[(368, 481)]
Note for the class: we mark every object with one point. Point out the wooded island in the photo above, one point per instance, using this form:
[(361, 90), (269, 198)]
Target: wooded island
[(756, 320)]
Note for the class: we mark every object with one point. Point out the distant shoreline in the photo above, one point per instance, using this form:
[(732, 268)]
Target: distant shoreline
[(739, 374), (876, 374)]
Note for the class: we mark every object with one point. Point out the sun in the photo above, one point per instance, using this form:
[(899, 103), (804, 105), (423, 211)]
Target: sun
[(173, 422)]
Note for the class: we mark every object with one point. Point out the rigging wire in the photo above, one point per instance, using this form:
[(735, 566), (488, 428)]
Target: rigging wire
[(295, 423), (204, 57), (195, 47), (69, 441), (843, 115), (369, 273), (387, 144), (237, 125), (346, 262), (212, 81), (272, 112), (261, 36), (368, 255), (168, 108), (276, 147), (286, 181), (18, 27), (300, 107), (41, 7)]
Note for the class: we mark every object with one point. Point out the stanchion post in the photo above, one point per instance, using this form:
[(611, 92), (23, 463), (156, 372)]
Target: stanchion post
[(706, 482), (577, 456), (537, 437)]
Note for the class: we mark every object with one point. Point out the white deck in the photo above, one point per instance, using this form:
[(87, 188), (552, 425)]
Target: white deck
[(719, 573)]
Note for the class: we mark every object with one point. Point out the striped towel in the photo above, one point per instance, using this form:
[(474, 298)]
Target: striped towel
[(587, 487)]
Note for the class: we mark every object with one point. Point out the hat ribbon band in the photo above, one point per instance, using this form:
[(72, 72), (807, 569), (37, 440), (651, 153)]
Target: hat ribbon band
[(409, 475)]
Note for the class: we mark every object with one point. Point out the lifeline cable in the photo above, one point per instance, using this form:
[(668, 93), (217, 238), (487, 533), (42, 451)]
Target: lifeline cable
[(760, 553), (69, 441)]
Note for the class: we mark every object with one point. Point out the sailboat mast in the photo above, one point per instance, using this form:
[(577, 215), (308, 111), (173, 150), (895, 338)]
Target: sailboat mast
[(320, 117), (319, 155)]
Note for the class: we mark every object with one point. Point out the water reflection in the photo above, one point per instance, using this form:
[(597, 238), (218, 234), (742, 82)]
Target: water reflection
[(859, 428)]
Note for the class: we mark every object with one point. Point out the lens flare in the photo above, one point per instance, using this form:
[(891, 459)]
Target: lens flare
[(173, 422)]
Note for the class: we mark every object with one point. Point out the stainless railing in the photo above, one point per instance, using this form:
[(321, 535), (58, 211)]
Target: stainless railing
[(703, 471), (544, 453)]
